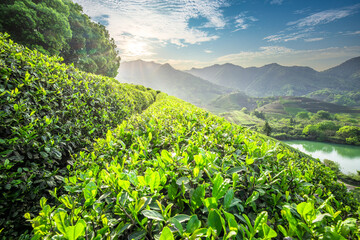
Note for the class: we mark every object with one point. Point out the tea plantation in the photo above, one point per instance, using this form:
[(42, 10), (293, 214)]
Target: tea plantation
[(49, 111), (84, 157)]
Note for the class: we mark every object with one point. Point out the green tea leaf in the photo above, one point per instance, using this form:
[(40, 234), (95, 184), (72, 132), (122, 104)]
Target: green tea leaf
[(124, 184), (166, 234), (177, 225), (198, 233), (90, 191), (211, 203), (249, 160), (268, 231), (181, 180), (215, 221), (260, 219), (254, 196), (172, 191), (154, 182), (153, 215), (220, 186), (182, 217), (235, 170), (193, 224), (229, 196), (304, 208), (197, 197), (74, 232), (60, 220)]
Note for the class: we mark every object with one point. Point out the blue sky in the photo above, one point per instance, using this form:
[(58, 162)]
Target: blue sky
[(198, 33)]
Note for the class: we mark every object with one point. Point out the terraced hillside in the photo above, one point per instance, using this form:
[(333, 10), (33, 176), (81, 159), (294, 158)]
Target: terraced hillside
[(297, 104), (176, 171), (169, 170), (48, 112)]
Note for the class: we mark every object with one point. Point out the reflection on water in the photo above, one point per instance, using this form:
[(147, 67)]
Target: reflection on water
[(347, 156)]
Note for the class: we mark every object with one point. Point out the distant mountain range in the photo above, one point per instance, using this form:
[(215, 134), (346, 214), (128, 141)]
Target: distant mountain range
[(201, 86), (277, 80), (169, 80)]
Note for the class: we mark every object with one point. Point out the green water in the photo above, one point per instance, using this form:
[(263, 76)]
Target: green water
[(347, 156)]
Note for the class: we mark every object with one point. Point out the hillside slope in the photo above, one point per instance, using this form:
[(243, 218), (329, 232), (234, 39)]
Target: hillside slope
[(232, 101), (49, 111), (171, 81), (169, 170), (176, 171), (303, 104)]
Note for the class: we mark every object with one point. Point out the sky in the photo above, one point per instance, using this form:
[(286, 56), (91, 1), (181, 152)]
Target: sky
[(198, 33)]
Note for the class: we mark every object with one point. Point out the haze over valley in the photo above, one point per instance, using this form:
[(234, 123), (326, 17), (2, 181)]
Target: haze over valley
[(204, 85)]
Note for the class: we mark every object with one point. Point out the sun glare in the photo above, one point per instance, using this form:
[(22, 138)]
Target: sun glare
[(137, 49)]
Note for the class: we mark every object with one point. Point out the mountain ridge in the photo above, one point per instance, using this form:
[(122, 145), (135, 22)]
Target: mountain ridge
[(166, 78), (277, 80)]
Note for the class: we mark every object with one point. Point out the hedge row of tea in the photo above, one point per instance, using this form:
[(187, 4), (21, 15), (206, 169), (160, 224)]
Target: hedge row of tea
[(49, 111), (178, 172)]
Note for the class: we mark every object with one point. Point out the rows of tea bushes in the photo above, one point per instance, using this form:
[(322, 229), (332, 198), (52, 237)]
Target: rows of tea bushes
[(49, 111), (178, 172)]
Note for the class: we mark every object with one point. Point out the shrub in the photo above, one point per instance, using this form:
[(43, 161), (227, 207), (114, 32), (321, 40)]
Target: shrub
[(350, 133), (322, 115), (302, 115), (178, 172), (48, 112)]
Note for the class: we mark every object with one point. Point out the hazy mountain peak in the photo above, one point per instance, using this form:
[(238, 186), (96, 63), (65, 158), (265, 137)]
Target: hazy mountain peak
[(272, 65), (346, 69)]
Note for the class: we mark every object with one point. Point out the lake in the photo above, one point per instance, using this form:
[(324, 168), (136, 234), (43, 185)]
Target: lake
[(346, 155)]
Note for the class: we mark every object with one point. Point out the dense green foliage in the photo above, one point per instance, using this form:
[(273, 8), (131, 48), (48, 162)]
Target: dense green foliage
[(176, 171), (299, 118), (351, 134), (346, 98), (321, 126), (49, 111), (59, 27), (165, 169)]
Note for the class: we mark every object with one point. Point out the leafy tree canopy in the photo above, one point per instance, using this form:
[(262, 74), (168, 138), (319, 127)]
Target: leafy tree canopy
[(58, 27)]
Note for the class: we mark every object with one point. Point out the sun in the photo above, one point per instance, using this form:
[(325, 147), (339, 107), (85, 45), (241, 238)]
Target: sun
[(137, 49)]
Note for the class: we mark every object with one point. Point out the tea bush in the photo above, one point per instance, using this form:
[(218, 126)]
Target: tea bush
[(49, 111), (178, 172)]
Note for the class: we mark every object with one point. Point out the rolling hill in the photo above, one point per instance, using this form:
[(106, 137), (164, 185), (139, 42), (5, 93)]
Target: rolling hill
[(303, 104), (165, 78), (232, 101)]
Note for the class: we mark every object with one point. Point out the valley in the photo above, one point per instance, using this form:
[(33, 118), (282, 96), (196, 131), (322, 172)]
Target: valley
[(234, 92)]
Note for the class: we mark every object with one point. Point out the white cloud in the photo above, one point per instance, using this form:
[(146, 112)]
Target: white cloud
[(326, 16), (282, 37), (319, 59), (353, 33), (313, 39), (207, 51), (277, 2), (305, 27), (242, 21), (138, 23)]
